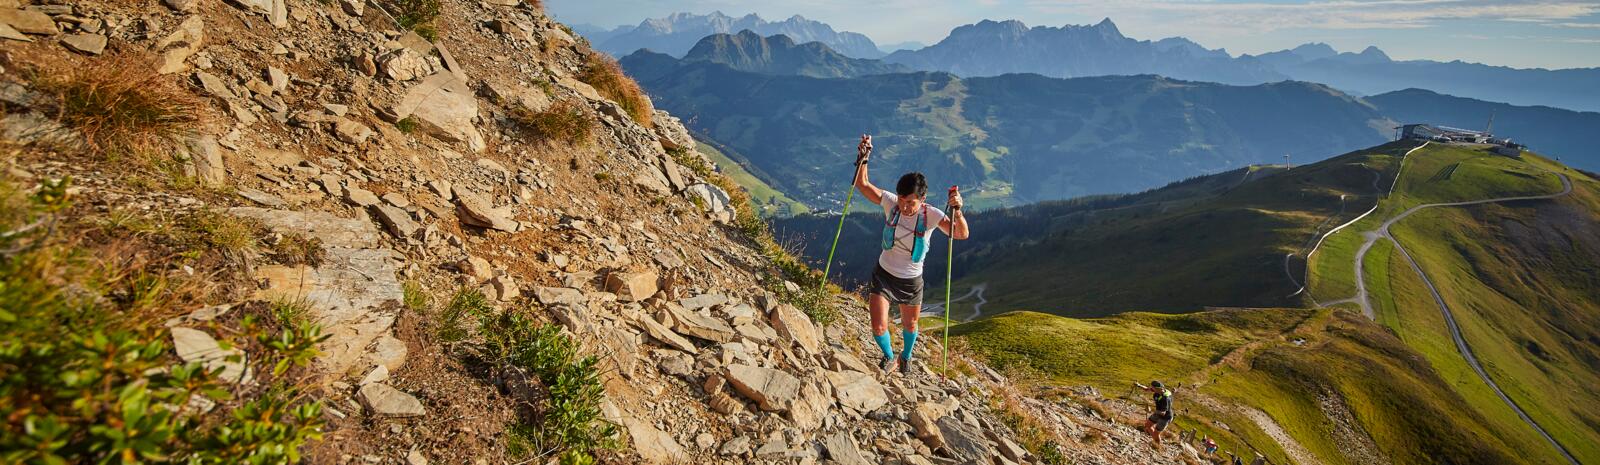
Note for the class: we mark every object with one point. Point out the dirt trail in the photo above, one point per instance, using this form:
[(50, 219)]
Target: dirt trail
[(1290, 446), (976, 291)]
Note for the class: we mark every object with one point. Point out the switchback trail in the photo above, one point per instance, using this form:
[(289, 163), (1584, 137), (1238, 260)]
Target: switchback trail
[(976, 291), (1363, 299)]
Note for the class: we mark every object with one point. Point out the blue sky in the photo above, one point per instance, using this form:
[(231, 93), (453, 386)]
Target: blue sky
[(1519, 33)]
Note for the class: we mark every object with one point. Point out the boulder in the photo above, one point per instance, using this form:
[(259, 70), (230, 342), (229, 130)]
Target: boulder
[(349, 293), (279, 81), (351, 131), (559, 296), (214, 85), (964, 442), (180, 44), (703, 301), (924, 423), (405, 64), (773, 390), (11, 33), (358, 196), (716, 201), (261, 198), (857, 391), (666, 336), (28, 21), (504, 287), (398, 221), (671, 133), (181, 6), (386, 401), (443, 107), (793, 324), (204, 161), (701, 326), (843, 450), (477, 211), (632, 287), (654, 445), (91, 44), (516, 95)]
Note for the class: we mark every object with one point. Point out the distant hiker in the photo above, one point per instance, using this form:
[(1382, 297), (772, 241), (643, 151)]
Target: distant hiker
[(1158, 420), (1210, 445), (1236, 459), (906, 236)]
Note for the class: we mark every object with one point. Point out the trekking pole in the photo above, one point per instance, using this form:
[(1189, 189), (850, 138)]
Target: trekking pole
[(847, 196), (950, 253)]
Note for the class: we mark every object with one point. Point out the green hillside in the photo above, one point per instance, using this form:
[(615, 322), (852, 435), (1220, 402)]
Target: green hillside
[(1519, 278), (771, 202), (1303, 369), (1183, 249)]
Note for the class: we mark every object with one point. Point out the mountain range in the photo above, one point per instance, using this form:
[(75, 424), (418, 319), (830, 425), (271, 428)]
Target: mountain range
[(779, 54), (675, 34), (1012, 139), (1373, 72), (991, 48)]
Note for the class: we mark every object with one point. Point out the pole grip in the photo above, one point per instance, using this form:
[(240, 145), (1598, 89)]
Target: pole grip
[(953, 190)]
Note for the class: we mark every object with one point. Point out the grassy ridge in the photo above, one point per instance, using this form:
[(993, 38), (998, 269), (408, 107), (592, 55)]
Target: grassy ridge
[(1519, 278), (1241, 359), (1520, 281)]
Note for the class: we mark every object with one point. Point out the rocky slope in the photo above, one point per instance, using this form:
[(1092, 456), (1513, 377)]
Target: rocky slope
[(410, 168)]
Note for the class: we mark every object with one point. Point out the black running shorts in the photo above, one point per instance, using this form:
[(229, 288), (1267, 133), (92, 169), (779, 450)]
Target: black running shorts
[(899, 291)]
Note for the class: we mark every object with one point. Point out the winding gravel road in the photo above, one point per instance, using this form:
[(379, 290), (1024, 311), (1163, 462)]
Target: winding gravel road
[(977, 307), (1363, 298)]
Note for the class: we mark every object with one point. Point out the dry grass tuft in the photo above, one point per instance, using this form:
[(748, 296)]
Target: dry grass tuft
[(120, 104), (564, 121), (606, 76)]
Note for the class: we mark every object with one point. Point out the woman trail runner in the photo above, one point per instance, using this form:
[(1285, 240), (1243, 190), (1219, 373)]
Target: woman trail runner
[(908, 225)]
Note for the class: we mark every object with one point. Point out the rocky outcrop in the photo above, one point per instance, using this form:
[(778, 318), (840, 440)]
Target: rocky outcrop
[(350, 294)]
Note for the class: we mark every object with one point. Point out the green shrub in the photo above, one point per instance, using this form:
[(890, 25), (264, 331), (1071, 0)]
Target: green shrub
[(570, 426), (415, 296), (407, 125), (564, 121), (450, 325), (416, 15), (90, 380)]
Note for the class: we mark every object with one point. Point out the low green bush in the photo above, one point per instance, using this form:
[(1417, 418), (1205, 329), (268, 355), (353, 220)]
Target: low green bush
[(85, 379), (570, 425)]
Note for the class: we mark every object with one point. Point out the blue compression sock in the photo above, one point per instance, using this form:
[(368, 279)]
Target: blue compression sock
[(911, 341), (885, 343)]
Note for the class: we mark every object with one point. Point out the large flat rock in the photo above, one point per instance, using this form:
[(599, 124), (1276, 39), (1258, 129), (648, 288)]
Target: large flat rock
[(774, 390), (351, 294), (444, 107)]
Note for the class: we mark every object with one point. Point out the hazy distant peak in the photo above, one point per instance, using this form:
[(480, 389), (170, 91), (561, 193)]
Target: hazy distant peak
[(1315, 51), (1372, 51), (1108, 28)]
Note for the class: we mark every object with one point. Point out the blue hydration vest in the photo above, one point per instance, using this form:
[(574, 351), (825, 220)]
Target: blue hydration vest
[(919, 242)]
